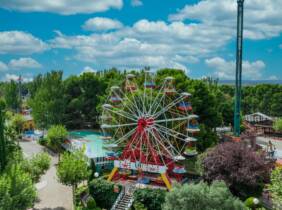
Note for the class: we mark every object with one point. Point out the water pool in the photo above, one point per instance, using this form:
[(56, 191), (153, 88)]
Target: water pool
[(91, 141)]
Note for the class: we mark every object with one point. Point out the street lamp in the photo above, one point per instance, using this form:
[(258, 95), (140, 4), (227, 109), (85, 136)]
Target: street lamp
[(237, 110)]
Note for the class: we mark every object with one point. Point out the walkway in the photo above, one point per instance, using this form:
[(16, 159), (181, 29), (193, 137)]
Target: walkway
[(52, 195)]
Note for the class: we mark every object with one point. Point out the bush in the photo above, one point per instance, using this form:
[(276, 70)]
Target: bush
[(43, 141), (202, 197), (16, 189), (152, 199), (244, 170), (91, 203), (275, 187), (37, 165), (103, 193)]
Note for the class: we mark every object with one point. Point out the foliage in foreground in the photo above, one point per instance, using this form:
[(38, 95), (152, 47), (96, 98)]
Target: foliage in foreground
[(202, 197), (103, 193), (56, 136), (152, 199), (275, 187), (244, 170), (37, 165), (73, 168), (16, 190)]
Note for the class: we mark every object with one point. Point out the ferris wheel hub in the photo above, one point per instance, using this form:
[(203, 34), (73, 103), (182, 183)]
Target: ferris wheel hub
[(145, 122)]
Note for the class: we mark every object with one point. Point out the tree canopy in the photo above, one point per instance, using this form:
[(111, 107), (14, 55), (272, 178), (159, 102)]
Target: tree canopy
[(202, 197), (244, 170), (73, 168)]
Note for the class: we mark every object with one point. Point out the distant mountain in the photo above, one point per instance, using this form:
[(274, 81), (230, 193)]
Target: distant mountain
[(251, 82)]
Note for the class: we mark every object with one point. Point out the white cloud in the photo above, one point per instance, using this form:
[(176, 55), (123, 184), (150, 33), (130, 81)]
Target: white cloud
[(101, 24), (146, 43), (64, 7), (136, 3), (24, 63), (273, 77), (19, 42), (226, 69), (3, 66), (9, 77), (263, 18), (88, 69)]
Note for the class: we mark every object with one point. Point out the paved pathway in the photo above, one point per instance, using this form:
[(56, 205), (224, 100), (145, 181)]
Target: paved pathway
[(52, 195), (277, 143)]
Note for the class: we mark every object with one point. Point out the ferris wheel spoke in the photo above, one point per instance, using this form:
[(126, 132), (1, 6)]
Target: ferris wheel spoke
[(156, 98), (171, 130), (121, 113), (173, 134), (124, 137), (158, 141), (159, 150), (174, 151), (189, 117), (105, 126), (171, 104), (133, 102)]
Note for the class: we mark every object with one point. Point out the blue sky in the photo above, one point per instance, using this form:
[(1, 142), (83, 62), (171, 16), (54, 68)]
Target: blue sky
[(91, 35)]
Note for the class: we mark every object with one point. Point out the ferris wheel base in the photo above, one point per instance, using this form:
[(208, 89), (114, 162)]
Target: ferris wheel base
[(164, 177)]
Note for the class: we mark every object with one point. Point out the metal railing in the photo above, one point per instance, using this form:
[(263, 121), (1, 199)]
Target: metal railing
[(120, 196)]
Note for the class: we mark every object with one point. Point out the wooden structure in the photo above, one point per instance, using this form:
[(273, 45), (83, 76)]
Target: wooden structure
[(261, 124)]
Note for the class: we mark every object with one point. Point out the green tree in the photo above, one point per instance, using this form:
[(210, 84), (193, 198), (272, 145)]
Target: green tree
[(3, 152), (275, 187), (16, 190), (73, 169), (48, 103), (202, 197), (11, 95), (56, 136), (18, 122), (278, 125)]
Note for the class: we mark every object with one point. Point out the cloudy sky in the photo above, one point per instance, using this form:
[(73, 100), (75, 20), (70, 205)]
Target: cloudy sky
[(197, 36)]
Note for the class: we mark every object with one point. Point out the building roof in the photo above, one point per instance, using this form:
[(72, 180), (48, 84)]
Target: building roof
[(258, 117)]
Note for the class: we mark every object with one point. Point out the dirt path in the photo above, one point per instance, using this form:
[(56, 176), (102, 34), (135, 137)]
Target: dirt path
[(52, 195)]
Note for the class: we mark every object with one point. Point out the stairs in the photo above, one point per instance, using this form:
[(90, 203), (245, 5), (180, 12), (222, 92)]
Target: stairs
[(125, 203), (125, 199)]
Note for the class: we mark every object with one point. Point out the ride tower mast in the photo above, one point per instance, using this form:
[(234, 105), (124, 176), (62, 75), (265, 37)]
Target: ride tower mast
[(237, 110)]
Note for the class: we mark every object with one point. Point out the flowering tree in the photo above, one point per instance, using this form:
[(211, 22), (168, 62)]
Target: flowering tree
[(244, 170)]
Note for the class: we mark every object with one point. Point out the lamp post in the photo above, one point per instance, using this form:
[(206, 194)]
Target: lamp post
[(237, 110)]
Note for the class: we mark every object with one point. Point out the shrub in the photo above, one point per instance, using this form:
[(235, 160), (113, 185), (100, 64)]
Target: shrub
[(244, 170), (16, 189), (152, 199), (202, 197), (43, 141), (91, 203), (275, 187), (37, 165), (103, 193)]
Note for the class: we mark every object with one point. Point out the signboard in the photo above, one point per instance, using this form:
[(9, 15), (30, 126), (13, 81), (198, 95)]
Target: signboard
[(126, 164)]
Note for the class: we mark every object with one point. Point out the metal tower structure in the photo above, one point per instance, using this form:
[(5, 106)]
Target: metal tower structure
[(237, 110)]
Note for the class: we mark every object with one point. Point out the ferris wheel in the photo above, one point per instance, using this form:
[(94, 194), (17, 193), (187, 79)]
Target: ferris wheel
[(148, 127)]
